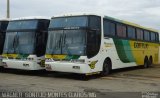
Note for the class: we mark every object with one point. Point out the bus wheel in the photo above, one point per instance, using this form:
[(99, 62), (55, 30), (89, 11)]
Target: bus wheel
[(84, 77), (107, 66), (146, 62), (150, 61)]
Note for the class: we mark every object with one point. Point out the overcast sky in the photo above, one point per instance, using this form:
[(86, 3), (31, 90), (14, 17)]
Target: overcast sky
[(143, 12)]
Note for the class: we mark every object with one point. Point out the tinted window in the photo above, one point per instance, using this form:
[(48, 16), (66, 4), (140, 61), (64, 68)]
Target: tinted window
[(77, 21), (24, 24), (43, 25), (3, 25), (94, 36), (157, 37), (131, 32), (121, 30), (95, 23), (153, 36), (109, 28), (10, 42), (146, 35), (140, 34), (26, 42)]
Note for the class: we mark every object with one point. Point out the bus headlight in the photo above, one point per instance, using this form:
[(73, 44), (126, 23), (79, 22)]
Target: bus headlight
[(4, 64)]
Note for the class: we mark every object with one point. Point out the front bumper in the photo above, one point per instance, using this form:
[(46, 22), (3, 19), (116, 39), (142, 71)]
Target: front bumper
[(23, 65), (69, 67)]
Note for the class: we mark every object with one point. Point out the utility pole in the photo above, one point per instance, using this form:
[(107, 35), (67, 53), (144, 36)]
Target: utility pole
[(8, 9)]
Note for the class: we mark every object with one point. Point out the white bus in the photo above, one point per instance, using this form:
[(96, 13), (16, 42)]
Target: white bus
[(25, 43), (3, 27), (90, 44)]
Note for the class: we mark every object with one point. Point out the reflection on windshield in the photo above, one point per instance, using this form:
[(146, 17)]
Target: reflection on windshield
[(19, 42), (79, 21), (9, 46), (23, 24), (71, 42)]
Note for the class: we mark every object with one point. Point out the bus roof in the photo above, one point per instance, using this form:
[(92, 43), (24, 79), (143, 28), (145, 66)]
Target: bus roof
[(110, 18), (31, 17), (76, 14)]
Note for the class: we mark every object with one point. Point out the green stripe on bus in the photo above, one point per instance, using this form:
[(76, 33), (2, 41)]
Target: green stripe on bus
[(124, 50)]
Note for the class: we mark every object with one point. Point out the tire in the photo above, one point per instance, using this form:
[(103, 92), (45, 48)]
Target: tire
[(83, 77), (146, 62), (107, 66), (150, 61)]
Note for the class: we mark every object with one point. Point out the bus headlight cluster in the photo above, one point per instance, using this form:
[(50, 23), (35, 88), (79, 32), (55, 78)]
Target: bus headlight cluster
[(4, 64)]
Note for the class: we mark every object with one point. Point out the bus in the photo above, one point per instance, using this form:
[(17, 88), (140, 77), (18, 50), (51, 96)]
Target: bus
[(25, 43), (3, 27), (95, 44)]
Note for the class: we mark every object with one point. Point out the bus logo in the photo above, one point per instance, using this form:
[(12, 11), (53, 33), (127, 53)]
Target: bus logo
[(93, 64), (140, 45)]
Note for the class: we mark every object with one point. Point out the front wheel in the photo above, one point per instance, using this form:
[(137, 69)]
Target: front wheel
[(106, 67)]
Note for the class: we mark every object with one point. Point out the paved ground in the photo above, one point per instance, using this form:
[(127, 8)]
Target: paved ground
[(135, 80)]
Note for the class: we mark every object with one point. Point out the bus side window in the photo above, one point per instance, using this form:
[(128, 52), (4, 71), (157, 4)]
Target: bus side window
[(139, 34), (131, 32), (153, 37), (109, 28), (146, 36), (1, 41), (91, 47), (41, 35), (121, 30), (4, 26), (93, 36), (157, 38)]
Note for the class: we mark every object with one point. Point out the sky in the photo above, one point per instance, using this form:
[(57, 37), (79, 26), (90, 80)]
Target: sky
[(143, 12)]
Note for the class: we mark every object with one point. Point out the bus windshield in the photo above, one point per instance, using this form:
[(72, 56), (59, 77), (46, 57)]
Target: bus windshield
[(74, 35), (71, 42), (19, 42)]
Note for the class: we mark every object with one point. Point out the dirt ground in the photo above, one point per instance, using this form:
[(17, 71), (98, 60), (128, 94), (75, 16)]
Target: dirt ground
[(123, 83)]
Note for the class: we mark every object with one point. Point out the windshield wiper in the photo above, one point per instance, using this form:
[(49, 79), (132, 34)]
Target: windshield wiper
[(58, 44), (65, 45), (15, 43)]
